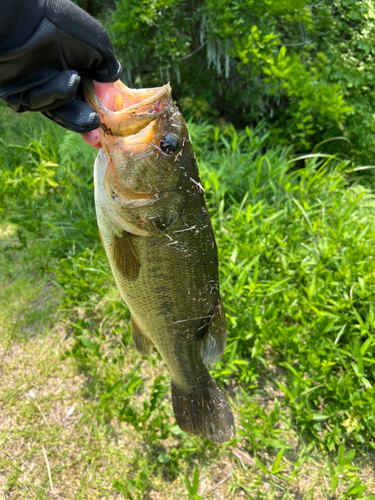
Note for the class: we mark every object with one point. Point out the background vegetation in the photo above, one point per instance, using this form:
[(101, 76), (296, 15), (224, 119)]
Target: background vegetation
[(82, 415), (305, 68)]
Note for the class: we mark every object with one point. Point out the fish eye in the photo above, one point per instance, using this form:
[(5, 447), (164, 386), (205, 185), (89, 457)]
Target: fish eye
[(169, 144)]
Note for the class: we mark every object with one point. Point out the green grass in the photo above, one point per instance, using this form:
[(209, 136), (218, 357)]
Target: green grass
[(296, 243)]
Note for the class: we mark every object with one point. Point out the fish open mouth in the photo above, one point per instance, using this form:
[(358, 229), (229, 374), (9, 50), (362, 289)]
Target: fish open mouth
[(119, 97), (129, 130), (125, 112)]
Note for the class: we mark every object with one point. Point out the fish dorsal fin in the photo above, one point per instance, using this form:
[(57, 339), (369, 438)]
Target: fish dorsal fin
[(215, 338), (142, 343), (125, 256)]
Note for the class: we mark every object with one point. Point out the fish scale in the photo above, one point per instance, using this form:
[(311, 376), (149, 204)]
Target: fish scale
[(160, 244)]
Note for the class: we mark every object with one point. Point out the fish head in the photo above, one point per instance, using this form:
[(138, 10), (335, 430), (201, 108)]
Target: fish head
[(143, 136), (139, 126)]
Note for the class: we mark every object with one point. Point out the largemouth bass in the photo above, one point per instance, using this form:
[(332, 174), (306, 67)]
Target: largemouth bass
[(158, 238)]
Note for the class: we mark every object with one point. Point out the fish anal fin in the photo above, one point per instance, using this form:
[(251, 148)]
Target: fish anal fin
[(125, 257), (214, 340), (142, 343)]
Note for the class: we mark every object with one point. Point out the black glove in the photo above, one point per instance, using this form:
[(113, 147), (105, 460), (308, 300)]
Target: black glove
[(44, 73)]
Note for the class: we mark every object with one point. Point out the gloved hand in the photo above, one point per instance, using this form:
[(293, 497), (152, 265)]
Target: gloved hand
[(44, 73)]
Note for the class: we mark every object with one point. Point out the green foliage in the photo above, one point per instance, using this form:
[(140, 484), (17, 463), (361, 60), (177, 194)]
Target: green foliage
[(305, 68), (296, 254), (192, 487), (296, 245), (95, 7), (344, 468)]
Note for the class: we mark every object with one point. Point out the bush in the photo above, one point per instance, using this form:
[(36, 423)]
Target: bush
[(305, 68)]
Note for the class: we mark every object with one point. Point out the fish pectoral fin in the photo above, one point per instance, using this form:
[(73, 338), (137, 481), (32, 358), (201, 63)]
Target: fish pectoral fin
[(125, 257), (142, 343), (215, 339)]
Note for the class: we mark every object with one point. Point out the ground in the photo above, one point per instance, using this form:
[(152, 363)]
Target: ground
[(56, 442)]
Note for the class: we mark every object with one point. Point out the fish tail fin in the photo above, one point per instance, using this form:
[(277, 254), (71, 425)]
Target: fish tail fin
[(204, 410)]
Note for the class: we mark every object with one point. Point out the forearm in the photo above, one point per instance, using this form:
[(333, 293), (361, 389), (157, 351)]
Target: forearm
[(18, 20)]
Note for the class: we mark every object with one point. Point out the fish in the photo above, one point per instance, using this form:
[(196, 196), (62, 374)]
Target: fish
[(157, 235)]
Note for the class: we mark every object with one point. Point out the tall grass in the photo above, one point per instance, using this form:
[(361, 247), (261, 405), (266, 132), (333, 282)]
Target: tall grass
[(297, 265)]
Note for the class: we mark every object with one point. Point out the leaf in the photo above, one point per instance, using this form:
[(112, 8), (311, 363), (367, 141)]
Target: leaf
[(176, 430), (86, 342), (319, 416), (366, 345), (357, 489), (261, 466), (349, 457), (195, 480), (334, 482), (360, 364), (341, 452), (275, 466), (188, 486), (193, 488), (284, 389), (164, 458), (331, 468)]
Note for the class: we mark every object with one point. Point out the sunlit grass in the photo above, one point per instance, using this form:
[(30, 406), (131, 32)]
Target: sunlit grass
[(297, 264)]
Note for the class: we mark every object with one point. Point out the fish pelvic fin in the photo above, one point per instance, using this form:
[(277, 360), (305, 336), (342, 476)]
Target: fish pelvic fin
[(125, 257), (214, 340), (205, 410), (142, 343)]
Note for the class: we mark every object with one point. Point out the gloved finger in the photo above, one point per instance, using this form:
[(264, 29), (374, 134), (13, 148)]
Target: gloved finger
[(76, 116), (111, 72), (55, 93)]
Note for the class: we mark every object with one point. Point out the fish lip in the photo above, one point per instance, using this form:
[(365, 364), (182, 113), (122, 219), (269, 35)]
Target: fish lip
[(92, 98), (153, 103)]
